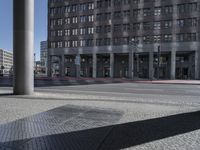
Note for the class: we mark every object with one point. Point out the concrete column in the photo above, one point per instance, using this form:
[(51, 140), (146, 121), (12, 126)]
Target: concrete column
[(94, 65), (173, 65), (197, 65), (63, 65), (131, 65), (49, 66), (151, 69), (78, 66), (112, 61), (23, 45)]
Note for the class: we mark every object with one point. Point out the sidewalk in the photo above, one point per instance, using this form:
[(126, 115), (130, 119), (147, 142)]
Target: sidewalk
[(185, 82), (43, 81)]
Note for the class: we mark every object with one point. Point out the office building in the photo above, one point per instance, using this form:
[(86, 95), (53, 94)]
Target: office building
[(6, 63), (124, 38), (43, 57)]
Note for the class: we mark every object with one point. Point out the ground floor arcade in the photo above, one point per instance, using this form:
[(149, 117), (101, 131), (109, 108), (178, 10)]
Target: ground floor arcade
[(146, 65)]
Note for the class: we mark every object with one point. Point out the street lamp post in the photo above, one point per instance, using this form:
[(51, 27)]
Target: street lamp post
[(134, 48), (158, 70)]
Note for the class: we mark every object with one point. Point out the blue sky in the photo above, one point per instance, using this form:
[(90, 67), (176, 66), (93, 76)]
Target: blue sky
[(6, 24)]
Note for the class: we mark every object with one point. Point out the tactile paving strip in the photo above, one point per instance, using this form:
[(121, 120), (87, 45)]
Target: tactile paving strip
[(67, 127)]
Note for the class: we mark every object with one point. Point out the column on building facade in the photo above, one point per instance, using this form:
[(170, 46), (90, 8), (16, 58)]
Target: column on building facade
[(94, 65), (197, 65), (78, 65), (131, 65), (63, 65), (151, 69), (112, 61), (49, 66), (23, 45), (173, 65)]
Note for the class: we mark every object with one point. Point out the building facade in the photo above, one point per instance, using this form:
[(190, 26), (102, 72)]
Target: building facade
[(43, 57), (124, 38), (6, 63)]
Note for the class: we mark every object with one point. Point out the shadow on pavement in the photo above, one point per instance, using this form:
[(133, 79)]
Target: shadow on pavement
[(118, 136)]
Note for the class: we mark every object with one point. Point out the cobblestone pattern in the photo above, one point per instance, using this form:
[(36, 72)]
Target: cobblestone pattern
[(56, 129)]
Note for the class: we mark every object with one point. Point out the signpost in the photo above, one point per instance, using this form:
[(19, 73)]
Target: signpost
[(77, 60)]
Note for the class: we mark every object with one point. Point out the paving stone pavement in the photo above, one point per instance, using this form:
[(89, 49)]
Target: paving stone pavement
[(66, 127), (102, 117)]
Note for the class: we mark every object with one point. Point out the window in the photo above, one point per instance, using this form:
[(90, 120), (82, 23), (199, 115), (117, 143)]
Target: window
[(157, 11), (126, 13), (136, 26), (186, 37), (67, 43), (52, 33), (136, 12), (52, 22), (99, 29), (60, 22), (91, 30), (157, 25), (167, 38), (117, 15), (126, 27), (147, 39), (126, 2), (67, 32), (116, 41), (60, 33), (91, 18), (75, 20), (156, 38), (99, 4), (107, 28), (99, 42), (75, 31), (99, 17), (167, 24), (67, 21), (117, 2), (147, 12), (82, 43), (192, 22), (107, 3), (107, 16), (90, 6), (60, 44), (75, 43), (168, 10), (117, 27), (82, 7), (53, 45), (82, 31), (136, 1), (181, 23), (147, 25), (83, 18)]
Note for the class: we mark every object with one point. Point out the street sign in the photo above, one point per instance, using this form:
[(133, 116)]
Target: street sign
[(77, 60)]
